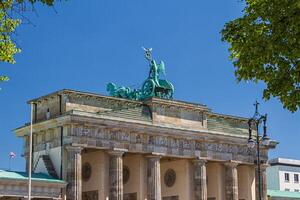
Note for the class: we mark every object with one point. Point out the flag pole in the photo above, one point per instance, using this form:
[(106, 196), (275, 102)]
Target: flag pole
[(9, 167), (30, 153)]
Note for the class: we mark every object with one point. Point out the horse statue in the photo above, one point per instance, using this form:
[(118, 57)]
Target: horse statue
[(122, 92), (153, 86)]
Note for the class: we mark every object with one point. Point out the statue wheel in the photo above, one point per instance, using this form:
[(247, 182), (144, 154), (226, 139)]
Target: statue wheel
[(148, 88)]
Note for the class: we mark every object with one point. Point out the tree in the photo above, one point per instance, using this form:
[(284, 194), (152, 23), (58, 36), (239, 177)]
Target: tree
[(9, 20), (265, 46)]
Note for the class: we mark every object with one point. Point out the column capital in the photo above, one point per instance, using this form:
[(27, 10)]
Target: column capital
[(199, 161), (263, 166), (231, 164), (76, 149), (154, 155), (117, 152)]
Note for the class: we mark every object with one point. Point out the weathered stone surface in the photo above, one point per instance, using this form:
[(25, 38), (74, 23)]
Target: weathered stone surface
[(174, 129), (231, 181), (10, 188), (130, 196), (143, 143), (73, 173), (154, 178), (90, 195), (116, 175), (171, 198), (200, 183)]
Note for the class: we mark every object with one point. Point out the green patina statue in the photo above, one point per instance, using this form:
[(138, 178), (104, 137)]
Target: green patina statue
[(152, 86)]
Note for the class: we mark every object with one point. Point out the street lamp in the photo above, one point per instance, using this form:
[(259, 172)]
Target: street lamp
[(254, 122)]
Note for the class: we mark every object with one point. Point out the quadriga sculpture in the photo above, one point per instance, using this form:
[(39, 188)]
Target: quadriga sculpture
[(152, 86), (122, 92)]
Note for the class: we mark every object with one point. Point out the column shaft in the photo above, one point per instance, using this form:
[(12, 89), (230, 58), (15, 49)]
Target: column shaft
[(73, 176), (154, 181), (116, 176), (200, 183), (231, 181)]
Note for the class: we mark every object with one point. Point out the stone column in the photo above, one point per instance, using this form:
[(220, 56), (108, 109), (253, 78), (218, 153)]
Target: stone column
[(231, 181), (153, 178), (27, 162), (200, 183), (73, 173), (116, 175), (263, 178)]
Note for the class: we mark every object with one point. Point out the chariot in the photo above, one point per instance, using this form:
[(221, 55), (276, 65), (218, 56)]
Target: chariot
[(153, 86)]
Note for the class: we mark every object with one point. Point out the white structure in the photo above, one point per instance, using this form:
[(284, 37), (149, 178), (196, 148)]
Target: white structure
[(283, 175)]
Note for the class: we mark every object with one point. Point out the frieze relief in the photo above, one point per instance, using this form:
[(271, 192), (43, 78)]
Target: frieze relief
[(226, 148), (162, 141), (137, 138), (166, 144), (122, 136), (143, 142), (151, 140)]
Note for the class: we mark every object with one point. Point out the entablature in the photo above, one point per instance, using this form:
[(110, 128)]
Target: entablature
[(144, 138), (173, 113)]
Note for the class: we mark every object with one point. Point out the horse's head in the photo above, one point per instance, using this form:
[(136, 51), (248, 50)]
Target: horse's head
[(111, 88)]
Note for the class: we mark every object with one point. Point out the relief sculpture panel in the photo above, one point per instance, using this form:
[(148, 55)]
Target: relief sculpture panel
[(135, 141)]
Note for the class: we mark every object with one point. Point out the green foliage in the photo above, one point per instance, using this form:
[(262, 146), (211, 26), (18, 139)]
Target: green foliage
[(7, 47), (46, 2), (9, 21), (7, 26), (265, 46), (4, 78)]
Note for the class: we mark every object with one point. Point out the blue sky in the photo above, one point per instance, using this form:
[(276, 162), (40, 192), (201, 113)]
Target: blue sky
[(83, 45)]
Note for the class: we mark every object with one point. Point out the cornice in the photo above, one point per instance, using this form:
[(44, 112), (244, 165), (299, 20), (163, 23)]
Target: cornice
[(231, 117), (87, 95), (9, 181), (150, 102), (94, 119), (176, 104), (51, 123)]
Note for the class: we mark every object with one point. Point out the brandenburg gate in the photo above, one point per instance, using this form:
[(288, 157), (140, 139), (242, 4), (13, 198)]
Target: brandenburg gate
[(141, 144)]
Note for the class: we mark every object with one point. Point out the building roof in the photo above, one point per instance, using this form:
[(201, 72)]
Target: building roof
[(286, 194), (120, 109), (284, 161), (65, 91), (152, 100), (140, 112), (23, 176)]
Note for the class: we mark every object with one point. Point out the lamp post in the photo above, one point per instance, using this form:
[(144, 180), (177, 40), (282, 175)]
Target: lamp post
[(255, 122)]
